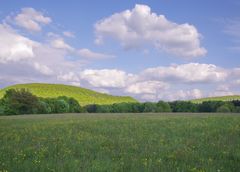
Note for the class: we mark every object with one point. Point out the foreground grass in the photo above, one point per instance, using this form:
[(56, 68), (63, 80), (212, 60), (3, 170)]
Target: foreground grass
[(143, 142)]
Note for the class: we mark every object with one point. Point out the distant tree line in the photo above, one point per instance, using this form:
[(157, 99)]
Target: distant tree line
[(161, 106), (21, 101)]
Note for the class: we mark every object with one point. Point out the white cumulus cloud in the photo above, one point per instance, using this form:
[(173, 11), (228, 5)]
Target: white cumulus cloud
[(172, 94), (68, 34), (14, 47), (60, 44), (111, 78), (31, 19), (71, 76), (42, 68), (147, 87), (140, 26), (189, 73), (93, 55)]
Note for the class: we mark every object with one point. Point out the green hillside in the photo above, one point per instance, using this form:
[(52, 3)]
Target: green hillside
[(84, 96), (221, 98)]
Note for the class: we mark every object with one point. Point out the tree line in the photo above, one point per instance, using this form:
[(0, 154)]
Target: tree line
[(21, 101)]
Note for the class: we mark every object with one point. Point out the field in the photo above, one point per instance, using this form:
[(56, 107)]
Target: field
[(221, 98), (120, 142), (82, 95)]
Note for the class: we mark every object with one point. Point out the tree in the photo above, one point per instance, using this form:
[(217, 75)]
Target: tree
[(210, 106), (92, 108), (163, 107), (183, 106), (44, 107), (236, 102), (121, 108), (19, 101), (223, 108), (150, 107), (1, 107), (137, 107), (61, 106), (103, 108), (74, 106)]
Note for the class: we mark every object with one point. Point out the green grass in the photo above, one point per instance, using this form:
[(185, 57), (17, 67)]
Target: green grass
[(82, 95), (120, 142), (221, 98)]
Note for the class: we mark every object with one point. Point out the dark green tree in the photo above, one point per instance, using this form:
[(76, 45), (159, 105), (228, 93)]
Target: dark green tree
[(210, 106), (150, 107), (1, 107), (74, 106), (223, 108), (163, 107), (137, 107), (44, 107), (19, 101), (61, 106), (92, 108), (183, 106)]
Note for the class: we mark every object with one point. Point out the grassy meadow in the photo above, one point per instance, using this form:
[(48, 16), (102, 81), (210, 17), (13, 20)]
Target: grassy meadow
[(120, 142), (82, 95)]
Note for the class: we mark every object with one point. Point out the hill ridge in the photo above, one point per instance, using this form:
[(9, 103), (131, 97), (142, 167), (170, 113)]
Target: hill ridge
[(217, 98), (83, 95)]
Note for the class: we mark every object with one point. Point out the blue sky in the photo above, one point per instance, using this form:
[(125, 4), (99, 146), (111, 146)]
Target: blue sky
[(150, 50)]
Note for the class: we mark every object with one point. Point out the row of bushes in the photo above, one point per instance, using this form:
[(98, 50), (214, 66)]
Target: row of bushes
[(22, 101)]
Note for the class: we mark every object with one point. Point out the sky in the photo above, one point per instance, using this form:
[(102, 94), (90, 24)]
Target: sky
[(150, 50)]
